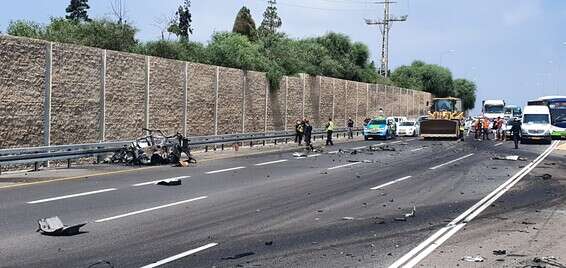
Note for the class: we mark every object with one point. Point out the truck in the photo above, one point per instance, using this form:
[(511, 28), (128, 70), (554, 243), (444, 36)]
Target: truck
[(444, 119), (511, 111), (493, 109)]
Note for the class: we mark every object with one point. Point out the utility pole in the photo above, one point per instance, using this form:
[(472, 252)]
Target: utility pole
[(384, 27)]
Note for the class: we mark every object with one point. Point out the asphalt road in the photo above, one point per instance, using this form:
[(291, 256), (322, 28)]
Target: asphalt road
[(264, 210)]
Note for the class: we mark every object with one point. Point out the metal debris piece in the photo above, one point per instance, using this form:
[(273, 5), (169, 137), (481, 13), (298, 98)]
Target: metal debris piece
[(297, 154), (269, 243), (545, 176), (509, 158), (500, 252), (473, 258), (55, 227), (170, 182), (400, 219), (238, 256), (348, 218), (412, 214)]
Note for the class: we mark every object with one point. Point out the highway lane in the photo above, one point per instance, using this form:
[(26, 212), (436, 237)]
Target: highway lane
[(274, 202)]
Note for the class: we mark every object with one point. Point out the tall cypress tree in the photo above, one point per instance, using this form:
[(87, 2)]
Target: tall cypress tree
[(77, 10), (181, 25), (245, 24), (271, 20)]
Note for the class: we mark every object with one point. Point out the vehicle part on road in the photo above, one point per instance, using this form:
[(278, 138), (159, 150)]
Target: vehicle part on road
[(170, 182), (443, 120), (385, 147), (55, 227), (500, 252), (297, 154), (155, 148), (412, 214), (473, 258), (239, 256), (545, 176), (348, 218), (101, 263), (509, 157)]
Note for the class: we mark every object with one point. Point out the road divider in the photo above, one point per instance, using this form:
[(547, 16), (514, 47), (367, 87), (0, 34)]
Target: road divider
[(224, 170), (421, 251), (156, 181), (451, 162), (150, 209), (71, 196), (346, 165), (180, 255), (391, 182)]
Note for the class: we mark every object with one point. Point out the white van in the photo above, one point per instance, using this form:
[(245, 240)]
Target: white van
[(536, 124)]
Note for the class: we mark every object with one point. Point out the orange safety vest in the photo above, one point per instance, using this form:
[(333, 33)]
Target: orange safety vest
[(486, 123)]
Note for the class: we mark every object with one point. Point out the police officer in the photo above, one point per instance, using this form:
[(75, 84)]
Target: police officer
[(516, 130), (329, 129)]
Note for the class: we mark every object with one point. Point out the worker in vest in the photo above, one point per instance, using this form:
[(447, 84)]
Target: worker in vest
[(485, 126), (329, 129)]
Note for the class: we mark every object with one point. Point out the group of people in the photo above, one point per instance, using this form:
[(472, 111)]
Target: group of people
[(483, 127), (303, 130)]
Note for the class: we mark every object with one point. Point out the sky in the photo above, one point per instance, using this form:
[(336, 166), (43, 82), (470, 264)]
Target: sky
[(512, 49)]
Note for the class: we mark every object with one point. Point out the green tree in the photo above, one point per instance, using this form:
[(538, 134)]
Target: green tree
[(236, 51), (271, 20), (181, 25), (427, 77), (77, 10), (465, 90), (96, 33), (244, 24)]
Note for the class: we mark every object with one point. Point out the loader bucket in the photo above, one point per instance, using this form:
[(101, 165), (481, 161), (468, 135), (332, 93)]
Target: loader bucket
[(440, 128)]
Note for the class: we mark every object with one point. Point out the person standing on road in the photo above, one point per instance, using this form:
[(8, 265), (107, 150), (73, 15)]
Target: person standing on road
[(308, 135), (462, 130), (299, 130), (485, 127), (350, 128), (329, 129), (478, 128), (516, 131)]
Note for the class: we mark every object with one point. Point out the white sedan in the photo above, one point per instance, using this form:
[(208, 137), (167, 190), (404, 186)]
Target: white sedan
[(408, 128)]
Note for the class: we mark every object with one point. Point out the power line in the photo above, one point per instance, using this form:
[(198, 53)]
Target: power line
[(384, 27), (319, 8)]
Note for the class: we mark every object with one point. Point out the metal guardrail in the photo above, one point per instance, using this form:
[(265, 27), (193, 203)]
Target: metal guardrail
[(38, 155)]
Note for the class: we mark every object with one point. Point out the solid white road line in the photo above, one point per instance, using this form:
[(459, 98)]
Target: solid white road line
[(180, 255), (271, 162), (418, 149), (71, 196), (450, 162), (150, 209), (346, 165), (313, 155), (224, 170), (499, 144), (155, 182), (333, 152), (391, 182), (413, 257)]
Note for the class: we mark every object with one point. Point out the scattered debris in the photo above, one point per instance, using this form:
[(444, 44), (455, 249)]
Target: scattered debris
[(55, 227), (368, 161), (269, 243), (156, 148), (385, 147), (170, 182), (354, 152), (400, 219), (412, 214), (101, 263), (500, 252), (354, 161), (473, 258), (509, 157), (297, 154), (239, 256), (545, 176), (348, 218)]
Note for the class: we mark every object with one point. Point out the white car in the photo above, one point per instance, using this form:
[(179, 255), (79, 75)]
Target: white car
[(408, 128)]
